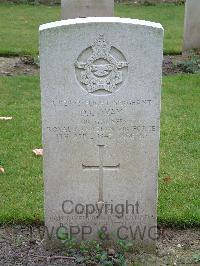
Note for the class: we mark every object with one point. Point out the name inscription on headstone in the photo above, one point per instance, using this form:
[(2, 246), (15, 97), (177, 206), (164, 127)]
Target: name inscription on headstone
[(112, 125)]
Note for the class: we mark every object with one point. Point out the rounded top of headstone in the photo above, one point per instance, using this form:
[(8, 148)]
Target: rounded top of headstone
[(100, 20)]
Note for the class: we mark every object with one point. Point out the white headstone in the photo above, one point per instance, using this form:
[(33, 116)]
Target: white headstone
[(101, 81), (192, 25), (86, 8)]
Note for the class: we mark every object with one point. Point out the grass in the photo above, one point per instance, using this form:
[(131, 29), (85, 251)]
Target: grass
[(19, 27), (21, 198), (170, 16), (19, 24), (179, 199)]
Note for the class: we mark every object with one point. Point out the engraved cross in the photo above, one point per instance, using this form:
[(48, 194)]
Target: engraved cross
[(101, 168)]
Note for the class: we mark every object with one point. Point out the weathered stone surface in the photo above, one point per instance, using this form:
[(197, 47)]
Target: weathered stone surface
[(86, 8), (100, 81), (192, 25)]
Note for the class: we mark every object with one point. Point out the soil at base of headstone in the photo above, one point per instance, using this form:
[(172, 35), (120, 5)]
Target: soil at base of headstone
[(23, 245), (11, 66)]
